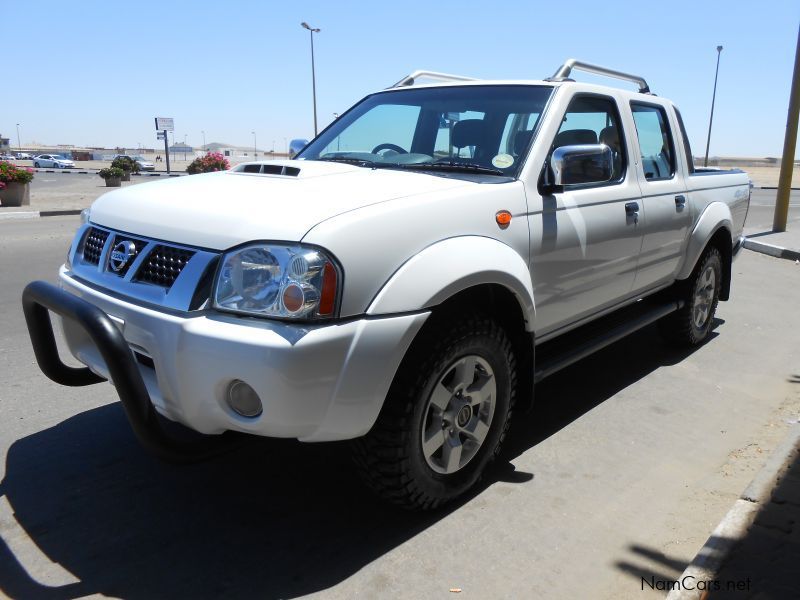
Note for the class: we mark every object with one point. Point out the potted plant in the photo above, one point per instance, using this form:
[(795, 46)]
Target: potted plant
[(127, 164), (112, 175), (212, 161), (15, 184)]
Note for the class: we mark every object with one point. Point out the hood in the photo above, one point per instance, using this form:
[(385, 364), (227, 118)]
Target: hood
[(221, 210)]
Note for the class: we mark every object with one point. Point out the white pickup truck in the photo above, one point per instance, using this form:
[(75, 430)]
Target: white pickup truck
[(404, 281)]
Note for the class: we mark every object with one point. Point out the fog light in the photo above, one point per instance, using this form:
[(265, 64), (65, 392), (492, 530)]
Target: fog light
[(243, 399)]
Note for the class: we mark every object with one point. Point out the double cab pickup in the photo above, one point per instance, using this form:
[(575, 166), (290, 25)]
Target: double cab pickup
[(404, 280)]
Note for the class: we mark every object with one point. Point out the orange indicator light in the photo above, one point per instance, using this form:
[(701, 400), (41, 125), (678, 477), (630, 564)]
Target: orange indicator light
[(503, 218)]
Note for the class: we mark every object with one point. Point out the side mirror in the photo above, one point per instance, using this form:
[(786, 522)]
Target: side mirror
[(579, 164), (295, 146)]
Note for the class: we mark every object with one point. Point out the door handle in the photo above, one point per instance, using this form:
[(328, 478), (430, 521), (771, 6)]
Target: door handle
[(680, 201), (631, 208)]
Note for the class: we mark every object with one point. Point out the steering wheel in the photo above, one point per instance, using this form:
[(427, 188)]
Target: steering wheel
[(393, 147)]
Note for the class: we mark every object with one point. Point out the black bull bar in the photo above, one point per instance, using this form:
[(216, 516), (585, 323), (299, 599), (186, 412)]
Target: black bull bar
[(40, 297)]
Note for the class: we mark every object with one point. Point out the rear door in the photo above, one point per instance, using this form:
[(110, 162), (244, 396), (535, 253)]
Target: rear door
[(665, 200)]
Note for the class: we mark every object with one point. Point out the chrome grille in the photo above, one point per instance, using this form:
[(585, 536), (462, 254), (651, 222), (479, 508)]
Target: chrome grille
[(148, 270), (163, 265), (93, 245)]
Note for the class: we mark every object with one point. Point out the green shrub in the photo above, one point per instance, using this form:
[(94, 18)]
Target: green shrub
[(111, 172), (126, 163)]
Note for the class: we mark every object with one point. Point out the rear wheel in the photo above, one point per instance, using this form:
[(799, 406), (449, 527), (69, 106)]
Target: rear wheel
[(445, 416), (691, 325)]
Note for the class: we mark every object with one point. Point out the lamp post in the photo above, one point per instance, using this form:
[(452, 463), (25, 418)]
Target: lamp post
[(286, 147), (204, 140), (255, 145), (713, 98), (19, 145), (312, 31)]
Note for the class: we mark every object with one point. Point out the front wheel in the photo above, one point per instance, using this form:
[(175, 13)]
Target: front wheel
[(691, 325), (445, 416)]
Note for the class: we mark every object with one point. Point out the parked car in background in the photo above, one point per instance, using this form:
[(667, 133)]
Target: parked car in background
[(55, 161), (23, 156), (144, 164), (141, 161), (7, 157)]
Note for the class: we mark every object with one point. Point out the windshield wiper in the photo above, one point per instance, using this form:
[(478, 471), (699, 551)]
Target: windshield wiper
[(457, 167), (360, 162)]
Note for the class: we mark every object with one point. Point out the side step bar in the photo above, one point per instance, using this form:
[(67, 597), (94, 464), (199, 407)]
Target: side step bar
[(571, 347)]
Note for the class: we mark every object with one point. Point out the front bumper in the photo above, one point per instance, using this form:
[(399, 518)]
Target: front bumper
[(316, 382)]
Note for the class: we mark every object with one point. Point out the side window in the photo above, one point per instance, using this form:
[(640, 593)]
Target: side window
[(594, 120), (655, 141)]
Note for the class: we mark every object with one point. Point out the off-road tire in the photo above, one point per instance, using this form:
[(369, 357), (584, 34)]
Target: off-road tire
[(691, 325), (390, 457)]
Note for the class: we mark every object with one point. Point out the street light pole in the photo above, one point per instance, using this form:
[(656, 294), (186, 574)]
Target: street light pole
[(713, 98), (19, 144), (312, 31), (204, 140), (255, 145)]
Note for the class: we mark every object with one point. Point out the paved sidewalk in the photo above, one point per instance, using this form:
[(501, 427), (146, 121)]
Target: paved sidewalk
[(767, 559)]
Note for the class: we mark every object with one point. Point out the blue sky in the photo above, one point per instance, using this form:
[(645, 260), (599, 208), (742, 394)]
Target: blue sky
[(96, 73)]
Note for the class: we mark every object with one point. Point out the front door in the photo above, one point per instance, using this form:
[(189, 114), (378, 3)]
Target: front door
[(585, 240)]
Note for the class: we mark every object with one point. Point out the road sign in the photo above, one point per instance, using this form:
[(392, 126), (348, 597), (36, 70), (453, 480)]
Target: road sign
[(160, 135), (165, 124)]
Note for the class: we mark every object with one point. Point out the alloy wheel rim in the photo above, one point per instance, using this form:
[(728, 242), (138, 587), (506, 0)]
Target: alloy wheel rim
[(458, 414), (704, 296)]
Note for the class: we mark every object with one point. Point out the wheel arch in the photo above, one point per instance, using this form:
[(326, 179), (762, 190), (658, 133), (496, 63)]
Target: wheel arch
[(713, 229)]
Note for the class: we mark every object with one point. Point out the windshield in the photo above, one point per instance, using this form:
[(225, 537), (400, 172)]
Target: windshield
[(480, 129)]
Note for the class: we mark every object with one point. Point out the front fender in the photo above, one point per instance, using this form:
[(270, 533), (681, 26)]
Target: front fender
[(716, 216), (445, 268)]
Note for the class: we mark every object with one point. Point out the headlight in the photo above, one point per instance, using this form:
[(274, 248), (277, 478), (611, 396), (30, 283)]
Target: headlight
[(280, 281)]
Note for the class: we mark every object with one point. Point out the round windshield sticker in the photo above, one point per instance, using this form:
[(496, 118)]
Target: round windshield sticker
[(503, 161)]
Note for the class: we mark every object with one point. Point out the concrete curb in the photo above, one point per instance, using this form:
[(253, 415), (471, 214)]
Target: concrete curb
[(734, 525), (94, 172), (19, 214), (35, 214), (770, 250)]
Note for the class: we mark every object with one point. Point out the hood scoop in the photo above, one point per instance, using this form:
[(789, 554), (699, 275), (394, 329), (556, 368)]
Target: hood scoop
[(267, 169)]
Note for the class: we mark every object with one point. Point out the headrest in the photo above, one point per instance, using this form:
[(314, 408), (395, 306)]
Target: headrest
[(575, 136), (610, 137), (468, 132), (521, 141)]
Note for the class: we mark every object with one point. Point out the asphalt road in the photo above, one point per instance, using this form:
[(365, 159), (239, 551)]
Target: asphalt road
[(620, 471), (762, 211)]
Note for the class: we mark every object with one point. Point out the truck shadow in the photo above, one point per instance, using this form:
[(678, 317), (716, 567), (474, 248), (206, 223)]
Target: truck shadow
[(275, 518)]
